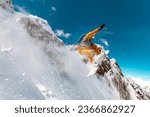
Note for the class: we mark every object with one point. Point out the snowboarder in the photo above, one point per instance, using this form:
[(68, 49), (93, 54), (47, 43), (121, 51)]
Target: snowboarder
[(6, 4), (86, 47)]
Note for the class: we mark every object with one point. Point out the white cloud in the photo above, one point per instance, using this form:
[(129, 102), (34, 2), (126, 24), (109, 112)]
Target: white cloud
[(53, 8), (61, 33), (141, 81), (104, 41)]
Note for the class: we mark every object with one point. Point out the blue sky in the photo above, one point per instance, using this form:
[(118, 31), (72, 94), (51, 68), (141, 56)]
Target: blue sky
[(128, 26)]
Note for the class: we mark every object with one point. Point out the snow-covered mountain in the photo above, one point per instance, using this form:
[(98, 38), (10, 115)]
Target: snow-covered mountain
[(35, 64)]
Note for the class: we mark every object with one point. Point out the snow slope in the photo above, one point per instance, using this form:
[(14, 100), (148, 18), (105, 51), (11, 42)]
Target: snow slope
[(35, 64)]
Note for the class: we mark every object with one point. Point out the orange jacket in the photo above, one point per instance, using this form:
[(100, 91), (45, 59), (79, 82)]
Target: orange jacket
[(89, 52)]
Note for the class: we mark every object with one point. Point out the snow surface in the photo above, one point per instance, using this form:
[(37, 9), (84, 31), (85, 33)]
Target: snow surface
[(27, 72), (144, 84), (141, 82)]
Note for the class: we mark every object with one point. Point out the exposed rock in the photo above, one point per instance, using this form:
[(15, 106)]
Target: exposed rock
[(104, 67), (119, 80), (140, 93), (39, 29), (127, 88)]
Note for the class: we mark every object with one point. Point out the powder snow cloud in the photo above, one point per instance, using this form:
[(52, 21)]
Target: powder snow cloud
[(61, 33), (104, 41)]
